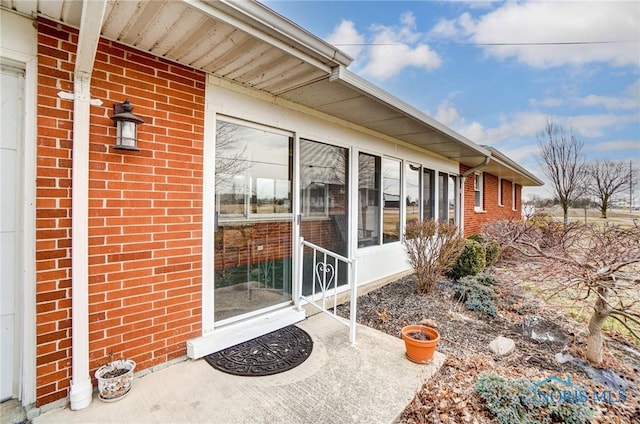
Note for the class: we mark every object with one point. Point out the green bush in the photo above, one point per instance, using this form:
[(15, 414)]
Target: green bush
[(491, 249), (512, 401), (477, 293), (471, 262)]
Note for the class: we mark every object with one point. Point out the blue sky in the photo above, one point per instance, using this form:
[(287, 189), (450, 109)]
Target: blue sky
[(497, 71)]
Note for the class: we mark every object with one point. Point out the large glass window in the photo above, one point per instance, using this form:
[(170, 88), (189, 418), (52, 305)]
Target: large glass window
[(368, 200), (253, 239), (253, 172), (443, 194), (391, 197), (428, 185), (323, 186), (452, 198), (447, 196), (412, 192)]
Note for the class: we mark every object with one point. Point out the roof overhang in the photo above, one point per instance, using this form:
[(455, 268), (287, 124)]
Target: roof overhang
[(247, 43), (350, 97), (503, 167)]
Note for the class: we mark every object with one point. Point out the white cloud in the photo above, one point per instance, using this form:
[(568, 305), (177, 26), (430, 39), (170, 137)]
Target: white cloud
[(548, 102), (385, 50), (447, 113), (616, 145), (608, 102), (595, 125), (629, 99), (347, 38), (554, 22)]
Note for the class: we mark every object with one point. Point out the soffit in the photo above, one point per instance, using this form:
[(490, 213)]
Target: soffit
[(215, 37), (342, 98), (251, 45)]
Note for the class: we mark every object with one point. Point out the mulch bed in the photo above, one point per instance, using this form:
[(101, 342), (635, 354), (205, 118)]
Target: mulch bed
[(450, 397)]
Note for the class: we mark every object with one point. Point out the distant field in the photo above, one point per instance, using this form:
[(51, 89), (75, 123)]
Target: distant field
[(582, 310), (614, 216)]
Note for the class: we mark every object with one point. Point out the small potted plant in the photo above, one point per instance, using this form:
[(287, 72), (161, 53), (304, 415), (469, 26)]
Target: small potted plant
[(420, 342), (114, 379)]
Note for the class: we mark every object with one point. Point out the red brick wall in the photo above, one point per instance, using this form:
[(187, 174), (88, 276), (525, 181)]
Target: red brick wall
[(145, 210), (473, 220)]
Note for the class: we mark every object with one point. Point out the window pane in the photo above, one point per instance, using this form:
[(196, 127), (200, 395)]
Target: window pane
[(443, 193), (253, 172), (391, 196), (452, 198), (477, 187), (427, 194), (412, 201), (368, 200), (323, 186)]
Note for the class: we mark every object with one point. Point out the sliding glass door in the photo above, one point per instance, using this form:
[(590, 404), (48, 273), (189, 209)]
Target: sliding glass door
[(254, 219)]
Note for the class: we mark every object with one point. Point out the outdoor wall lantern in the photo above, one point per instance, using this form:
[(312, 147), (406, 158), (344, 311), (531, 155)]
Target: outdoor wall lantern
[(126, 123)]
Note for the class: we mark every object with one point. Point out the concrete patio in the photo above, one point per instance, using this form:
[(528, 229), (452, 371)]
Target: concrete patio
[(369, 383)]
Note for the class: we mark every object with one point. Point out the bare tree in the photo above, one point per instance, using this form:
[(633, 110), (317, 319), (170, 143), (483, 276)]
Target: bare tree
[(563, 163), (597, 265), (606, 179)]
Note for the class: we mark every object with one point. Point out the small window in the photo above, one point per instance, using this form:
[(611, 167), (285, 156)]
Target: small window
[(478, 190), (500, 192), (514, 206)]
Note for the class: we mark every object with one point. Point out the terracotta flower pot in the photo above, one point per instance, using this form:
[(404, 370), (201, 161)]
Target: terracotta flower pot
[(420, 342)]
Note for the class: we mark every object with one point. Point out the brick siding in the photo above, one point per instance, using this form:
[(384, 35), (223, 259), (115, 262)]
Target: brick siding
[(473, 220), (145, 210)]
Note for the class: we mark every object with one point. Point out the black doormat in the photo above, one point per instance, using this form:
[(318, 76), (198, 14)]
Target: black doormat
[(269, 354)]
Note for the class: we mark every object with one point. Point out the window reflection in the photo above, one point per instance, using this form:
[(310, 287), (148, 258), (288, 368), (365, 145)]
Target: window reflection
[(412, 192), (368, 200), (391, 198), (253, 171), (323, 186)]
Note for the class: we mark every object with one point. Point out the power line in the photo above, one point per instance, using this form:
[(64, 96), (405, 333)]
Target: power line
[(533, 43)]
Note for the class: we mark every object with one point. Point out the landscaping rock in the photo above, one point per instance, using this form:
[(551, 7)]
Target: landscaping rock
[(541, 330), (502, 346), (429, 323)]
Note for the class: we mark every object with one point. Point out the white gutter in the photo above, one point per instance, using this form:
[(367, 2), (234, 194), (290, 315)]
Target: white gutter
[(81, 390), (235, 15), (507, 162), (282, 28)]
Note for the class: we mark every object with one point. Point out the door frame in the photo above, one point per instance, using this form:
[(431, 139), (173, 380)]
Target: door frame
[(25, 294)]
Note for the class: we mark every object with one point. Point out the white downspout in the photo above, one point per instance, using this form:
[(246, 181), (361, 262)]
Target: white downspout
[(81, 390), (463, 179)]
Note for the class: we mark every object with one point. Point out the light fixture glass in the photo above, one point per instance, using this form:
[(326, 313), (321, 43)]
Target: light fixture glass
[(126, 124)]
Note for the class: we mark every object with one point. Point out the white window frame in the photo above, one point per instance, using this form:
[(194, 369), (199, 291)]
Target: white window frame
[(478, 191), (500, 192), (248, 181), (513, 197)]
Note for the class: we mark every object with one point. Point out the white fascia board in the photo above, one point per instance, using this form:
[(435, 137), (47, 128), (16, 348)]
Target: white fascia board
[(249, 25), (279, 25), (365, 87)]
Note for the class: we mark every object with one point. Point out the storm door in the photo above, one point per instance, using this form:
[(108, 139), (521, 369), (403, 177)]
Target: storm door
[(254, 219), (324, 207)]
